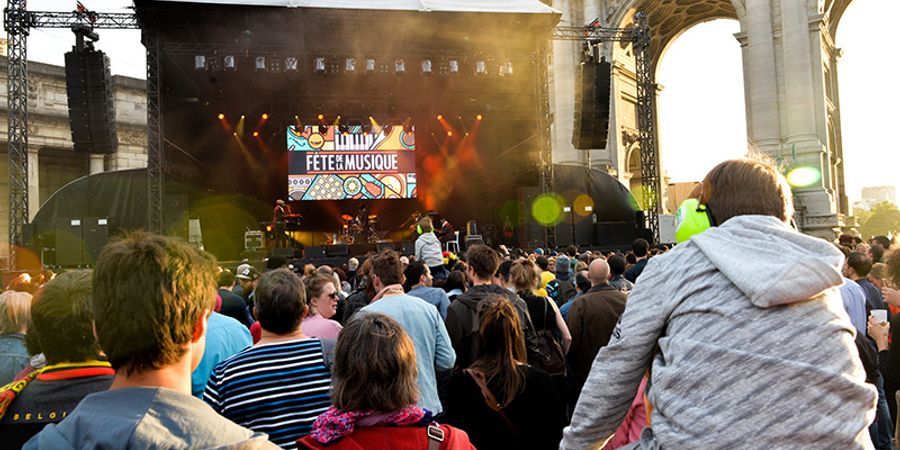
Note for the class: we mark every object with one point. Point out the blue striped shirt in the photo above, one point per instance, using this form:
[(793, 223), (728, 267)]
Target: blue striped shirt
[(278, 389)]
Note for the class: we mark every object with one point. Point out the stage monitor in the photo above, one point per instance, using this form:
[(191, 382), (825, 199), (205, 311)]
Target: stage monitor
[(326, 164)]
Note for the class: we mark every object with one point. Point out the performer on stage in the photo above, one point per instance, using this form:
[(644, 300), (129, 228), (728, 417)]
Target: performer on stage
[(281, 210)]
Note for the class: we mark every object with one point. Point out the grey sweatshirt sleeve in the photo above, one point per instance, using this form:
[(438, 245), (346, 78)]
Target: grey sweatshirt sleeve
[(617, 370)]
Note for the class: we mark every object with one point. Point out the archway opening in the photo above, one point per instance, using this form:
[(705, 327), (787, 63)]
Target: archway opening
[(867, 106), (701, 111)]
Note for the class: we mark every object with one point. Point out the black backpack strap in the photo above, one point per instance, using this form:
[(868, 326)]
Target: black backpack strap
[(328, 352)]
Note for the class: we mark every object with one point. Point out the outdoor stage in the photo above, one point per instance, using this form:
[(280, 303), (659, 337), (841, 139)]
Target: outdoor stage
[(462, 78)]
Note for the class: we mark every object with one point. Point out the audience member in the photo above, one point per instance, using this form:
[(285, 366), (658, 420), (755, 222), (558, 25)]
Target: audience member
[(544, 275), (15, 313), (418, 284), (428, 249), (592, 320), (455, 285), (707, 318), (420, 320), (856, 268), (151, 296), (261, 387), (63, 323), (247, 277), (462, 318), (542, 311), (500, 400), (225, 337), (617, 270), (562, 288), (364, 292), (582, 284), (639, 248), (375, 394), (232, 304), (322, 297)]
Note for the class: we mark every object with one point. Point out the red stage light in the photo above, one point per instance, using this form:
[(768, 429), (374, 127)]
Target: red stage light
[(440, 117), (221, 116), (256, 134), (478, 117), (321, 116), (265, 116), (449, 133)]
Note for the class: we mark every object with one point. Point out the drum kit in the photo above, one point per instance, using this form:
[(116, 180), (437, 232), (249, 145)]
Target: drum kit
[(355, 231)]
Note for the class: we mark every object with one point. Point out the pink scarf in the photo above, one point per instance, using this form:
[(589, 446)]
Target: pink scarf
[(392, 287), (333, 424)]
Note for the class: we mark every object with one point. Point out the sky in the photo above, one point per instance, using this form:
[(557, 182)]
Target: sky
[(701, 108)]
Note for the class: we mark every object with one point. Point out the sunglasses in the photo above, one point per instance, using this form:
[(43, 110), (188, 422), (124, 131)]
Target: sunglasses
[(333, 295)]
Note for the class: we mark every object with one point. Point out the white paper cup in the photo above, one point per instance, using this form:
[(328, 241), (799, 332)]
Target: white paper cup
[(880, 315)]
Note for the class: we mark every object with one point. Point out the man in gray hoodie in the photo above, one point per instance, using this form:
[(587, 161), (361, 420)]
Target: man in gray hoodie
[(743, 331), (152, 296)]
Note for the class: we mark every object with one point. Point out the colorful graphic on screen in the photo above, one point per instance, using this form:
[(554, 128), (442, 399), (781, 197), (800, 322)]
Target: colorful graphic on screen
[(324, 164)]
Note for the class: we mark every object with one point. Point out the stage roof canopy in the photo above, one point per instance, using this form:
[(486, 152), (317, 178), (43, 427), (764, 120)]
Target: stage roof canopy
[(484, 6)]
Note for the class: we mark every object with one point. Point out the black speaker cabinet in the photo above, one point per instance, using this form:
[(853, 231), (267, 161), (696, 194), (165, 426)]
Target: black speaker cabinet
[(314, 252), (69, 243), (95, 232), (592, 105), (337, 250), (92, 115)]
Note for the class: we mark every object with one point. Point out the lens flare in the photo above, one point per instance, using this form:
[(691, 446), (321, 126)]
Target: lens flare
[(547, 209), (803, 176), (584, 205)]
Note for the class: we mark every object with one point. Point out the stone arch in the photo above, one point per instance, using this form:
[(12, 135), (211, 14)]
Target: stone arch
[(832, 11), (632, 174), (668, 19)]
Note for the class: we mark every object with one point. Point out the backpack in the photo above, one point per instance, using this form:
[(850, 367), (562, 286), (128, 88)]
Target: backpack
[(552, 358)]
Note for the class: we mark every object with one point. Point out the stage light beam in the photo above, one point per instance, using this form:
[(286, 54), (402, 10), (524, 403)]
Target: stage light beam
[(221, 116)]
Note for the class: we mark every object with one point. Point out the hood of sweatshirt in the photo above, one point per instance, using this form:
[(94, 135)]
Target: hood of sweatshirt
[(770, 262), (429, 238)]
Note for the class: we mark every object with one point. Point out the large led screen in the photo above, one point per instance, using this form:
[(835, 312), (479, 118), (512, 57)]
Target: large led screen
[(325, 164)]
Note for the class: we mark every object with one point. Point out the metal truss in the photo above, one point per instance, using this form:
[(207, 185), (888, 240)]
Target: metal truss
[(542, 61), (155, 145), (639, 36)]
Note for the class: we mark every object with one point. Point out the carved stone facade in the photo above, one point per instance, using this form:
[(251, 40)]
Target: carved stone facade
[(52, 162), (790, 87)]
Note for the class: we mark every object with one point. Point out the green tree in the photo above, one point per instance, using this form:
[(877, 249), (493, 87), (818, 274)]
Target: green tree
[(884, 219)]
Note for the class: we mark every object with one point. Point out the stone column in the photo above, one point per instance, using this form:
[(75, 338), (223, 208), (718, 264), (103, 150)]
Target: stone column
[(97, 164)]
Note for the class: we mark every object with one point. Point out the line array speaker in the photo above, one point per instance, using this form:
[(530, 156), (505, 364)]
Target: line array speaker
[(91, 108), (592, 105)]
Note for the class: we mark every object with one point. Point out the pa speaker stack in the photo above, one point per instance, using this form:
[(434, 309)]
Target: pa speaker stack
[(592, 105), (91, 109)]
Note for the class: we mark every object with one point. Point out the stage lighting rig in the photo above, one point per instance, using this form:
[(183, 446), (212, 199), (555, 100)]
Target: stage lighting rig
[(230, 63), (453, 65), (320, 65), (290, 64), (480, 67), (506, 69), (260, 63), (426, 66), (350, 65), (274, 64), (399, 66), (370, 65), (199, 62), (214, 63)]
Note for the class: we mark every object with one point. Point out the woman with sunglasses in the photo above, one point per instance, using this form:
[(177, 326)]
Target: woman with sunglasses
[(322, 297)]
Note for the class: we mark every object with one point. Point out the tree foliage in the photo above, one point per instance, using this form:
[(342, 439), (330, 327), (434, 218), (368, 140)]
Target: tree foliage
[(882, 219)]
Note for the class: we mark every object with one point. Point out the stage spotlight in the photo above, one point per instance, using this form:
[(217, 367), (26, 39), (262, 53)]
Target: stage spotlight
[(478, 117), (399, 66), (274, 64), (256, 134), (449, 133), (265, 116), (243, 116), (506, 70), (321, 117), (230, 63), (370, 66), (440, 117), (260, 63), (426, 66), (199, 62), (320, 65), (290, 64), (214, 63), (454, 66), (221, 116), (350, 65), (480, 68)]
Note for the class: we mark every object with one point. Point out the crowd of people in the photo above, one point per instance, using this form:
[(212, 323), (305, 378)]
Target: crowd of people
[(748, 334)]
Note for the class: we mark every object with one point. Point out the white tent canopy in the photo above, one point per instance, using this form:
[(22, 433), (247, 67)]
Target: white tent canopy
[(484, 6)]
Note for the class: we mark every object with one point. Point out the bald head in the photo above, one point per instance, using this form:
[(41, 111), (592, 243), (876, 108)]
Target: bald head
[(598, 272)]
